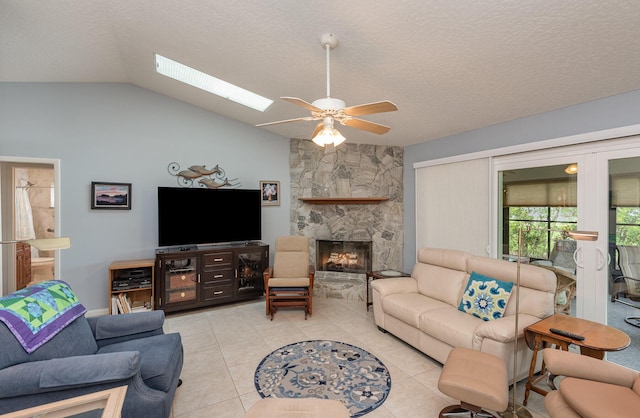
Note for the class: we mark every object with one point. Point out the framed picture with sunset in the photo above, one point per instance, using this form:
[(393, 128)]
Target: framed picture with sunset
[(107, 195)]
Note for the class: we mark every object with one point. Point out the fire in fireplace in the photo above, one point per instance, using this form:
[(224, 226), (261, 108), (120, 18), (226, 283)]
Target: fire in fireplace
[(343, 256)]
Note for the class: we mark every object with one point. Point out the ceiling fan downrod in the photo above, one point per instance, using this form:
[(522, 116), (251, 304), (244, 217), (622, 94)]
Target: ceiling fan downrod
[(328, 41)]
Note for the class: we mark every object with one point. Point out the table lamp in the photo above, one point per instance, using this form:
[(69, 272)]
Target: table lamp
[(515, 410)]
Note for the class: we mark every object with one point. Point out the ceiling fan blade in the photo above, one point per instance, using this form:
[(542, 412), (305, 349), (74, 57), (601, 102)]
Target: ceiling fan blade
[(317, 130), (302, 103), (376, 128), (306, 118), (369, 108)]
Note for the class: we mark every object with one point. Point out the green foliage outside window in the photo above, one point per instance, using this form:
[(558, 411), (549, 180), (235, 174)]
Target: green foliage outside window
[(538, 242), (628, 226)]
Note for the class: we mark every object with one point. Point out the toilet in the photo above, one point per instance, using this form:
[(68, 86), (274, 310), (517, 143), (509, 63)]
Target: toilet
[(42, 269)]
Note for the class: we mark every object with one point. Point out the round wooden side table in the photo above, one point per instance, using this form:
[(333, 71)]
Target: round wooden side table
[(598, 338)]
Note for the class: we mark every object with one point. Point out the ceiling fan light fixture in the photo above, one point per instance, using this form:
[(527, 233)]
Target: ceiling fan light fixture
[(337, 138), (328, 135), (211, 84)]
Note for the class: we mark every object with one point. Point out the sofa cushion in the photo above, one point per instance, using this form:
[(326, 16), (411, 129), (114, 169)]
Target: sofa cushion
[(89, 370), (112, 327), (38, 377), (450, 259), (37, 313), (291, 264), (161, 355), (538, 285), (407, 307), (440, 283), (450, 326), (441, 274), (77, 331), (485, 297)]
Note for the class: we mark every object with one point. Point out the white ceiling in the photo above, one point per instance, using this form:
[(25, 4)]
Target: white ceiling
[(449, 65)]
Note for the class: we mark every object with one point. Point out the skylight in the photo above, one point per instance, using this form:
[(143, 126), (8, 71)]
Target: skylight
[(191, 76)]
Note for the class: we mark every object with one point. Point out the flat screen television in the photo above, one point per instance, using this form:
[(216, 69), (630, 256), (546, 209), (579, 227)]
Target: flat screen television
[(191, 216)]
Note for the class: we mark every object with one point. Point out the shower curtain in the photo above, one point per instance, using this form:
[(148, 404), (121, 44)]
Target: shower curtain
[(24, 217)]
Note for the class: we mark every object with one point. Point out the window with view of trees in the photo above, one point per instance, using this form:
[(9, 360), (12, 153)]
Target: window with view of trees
[(538, 242), (627, 226), (540, 199), (624, 200), (544, 198)]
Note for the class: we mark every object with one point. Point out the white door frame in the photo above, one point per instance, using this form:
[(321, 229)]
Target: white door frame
[(550, 157), (57, 218), (625, 149), (592, 197)]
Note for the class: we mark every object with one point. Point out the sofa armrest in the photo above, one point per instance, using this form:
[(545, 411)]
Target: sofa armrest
[(395, 285), (503, 329), (566, 363), (66, 373), (109, 329)]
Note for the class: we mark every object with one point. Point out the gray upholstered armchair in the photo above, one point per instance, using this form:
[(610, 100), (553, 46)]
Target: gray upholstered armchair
[(93, 354)]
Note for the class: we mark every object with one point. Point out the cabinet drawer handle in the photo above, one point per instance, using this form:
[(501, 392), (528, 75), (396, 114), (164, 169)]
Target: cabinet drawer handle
[(219, 292), (217, 276), (183, 277), (217, 259), (182, 294)]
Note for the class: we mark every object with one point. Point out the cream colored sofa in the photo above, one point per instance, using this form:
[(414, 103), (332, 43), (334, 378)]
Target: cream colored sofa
[(423, 310)]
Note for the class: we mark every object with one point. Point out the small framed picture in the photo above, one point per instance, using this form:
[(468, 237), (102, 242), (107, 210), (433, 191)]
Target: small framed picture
[(105, 195), (270, 192)]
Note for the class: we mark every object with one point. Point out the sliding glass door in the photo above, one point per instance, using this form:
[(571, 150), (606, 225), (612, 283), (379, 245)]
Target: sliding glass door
[(594, 187), (541, 203), (619, 279)]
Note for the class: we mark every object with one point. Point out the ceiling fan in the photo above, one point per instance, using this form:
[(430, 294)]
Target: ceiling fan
[(330, 109)]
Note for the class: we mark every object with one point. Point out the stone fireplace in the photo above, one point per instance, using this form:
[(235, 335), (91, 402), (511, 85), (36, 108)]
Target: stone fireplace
[(348, 171), (343, 256)]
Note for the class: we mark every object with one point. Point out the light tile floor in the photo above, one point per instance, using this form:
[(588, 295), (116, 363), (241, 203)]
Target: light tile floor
[(224, 345)]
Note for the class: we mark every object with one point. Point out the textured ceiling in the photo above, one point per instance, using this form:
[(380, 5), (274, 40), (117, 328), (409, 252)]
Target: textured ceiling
[(449, 65)]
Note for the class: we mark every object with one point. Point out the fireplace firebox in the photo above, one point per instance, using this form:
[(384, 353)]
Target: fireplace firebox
[(343, 256)]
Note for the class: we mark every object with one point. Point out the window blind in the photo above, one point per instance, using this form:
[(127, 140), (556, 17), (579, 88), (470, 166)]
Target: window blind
[(452, 206), (549, 192), (625, 190)]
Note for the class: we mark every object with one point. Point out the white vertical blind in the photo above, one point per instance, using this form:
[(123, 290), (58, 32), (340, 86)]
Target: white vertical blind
[(452, 206)]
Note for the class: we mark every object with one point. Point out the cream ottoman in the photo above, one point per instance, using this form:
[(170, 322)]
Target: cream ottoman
[(479, 380), (297, 408)]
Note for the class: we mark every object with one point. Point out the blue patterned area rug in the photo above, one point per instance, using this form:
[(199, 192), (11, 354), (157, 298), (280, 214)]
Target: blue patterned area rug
[(327, 370)]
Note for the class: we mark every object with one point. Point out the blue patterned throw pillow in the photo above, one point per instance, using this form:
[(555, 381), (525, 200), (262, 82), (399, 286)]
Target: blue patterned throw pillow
[(485, 297)]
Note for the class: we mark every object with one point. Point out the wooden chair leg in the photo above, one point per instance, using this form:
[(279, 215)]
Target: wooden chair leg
[(267, 303), (291, 298)]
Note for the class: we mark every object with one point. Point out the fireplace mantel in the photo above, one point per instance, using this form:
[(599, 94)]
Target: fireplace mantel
[(343, 200)]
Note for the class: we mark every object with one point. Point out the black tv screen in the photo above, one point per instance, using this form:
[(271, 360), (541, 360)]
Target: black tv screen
[(188, 216)]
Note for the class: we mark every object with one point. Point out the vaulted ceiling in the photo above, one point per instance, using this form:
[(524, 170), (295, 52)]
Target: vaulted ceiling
[(449, 65)]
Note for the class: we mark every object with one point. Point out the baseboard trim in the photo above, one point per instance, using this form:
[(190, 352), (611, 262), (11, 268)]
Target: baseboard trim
[(97, 312)]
